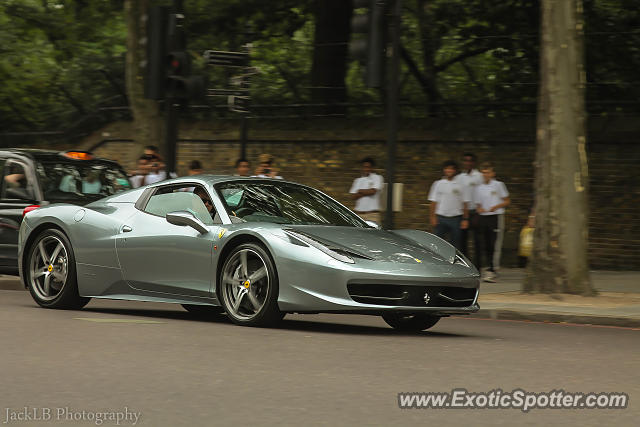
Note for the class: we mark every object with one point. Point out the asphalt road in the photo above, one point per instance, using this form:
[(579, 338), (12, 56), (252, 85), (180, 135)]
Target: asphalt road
[(177, 370)]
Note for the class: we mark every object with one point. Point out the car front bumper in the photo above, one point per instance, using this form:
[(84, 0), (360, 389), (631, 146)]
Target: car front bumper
[(327, 285)]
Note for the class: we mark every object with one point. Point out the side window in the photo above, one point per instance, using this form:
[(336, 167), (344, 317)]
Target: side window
[(232, 196), (15, 182), (182, 198)]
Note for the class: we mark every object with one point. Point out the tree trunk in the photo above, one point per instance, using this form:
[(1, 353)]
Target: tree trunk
[(147, 119), (559, 258), (331, 37)]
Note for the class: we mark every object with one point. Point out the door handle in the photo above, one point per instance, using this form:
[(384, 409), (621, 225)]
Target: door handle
[(126, 229)]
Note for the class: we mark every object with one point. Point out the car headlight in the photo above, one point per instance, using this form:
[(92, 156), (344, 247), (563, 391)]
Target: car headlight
[(459, 259), (334, 253)]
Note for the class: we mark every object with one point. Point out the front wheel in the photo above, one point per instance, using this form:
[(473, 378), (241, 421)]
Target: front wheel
[(51, 272), (411, 322), (248, 286)]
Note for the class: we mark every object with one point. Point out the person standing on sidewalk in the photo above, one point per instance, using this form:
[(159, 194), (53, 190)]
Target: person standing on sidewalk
[(449, 198), (195, 168), (471, 178), (366, 192), (490, 197), (266, 169), (243, 167)]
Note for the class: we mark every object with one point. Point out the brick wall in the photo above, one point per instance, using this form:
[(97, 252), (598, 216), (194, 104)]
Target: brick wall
[(326, 155)]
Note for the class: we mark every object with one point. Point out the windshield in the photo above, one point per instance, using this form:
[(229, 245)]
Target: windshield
[(80, 180), (284, 203)]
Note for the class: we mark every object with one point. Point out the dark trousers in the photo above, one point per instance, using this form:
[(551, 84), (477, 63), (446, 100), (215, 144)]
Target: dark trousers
[(448, 228), (473, 231), (488, 231)]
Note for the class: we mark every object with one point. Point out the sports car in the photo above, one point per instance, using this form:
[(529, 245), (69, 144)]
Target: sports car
[(253, 248)]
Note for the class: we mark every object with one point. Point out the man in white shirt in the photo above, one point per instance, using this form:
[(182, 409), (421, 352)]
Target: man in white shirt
[(449, 198), (242, 167), (266, 169), (471, 178), (490, 197), (154, 166), (366, 192)]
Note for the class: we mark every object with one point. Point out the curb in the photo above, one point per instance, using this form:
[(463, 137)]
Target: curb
[(538, 316)]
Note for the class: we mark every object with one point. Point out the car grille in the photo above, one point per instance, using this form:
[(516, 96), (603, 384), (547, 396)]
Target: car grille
[(412, 296)]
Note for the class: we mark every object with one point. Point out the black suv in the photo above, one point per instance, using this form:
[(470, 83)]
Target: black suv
[(33, 178)]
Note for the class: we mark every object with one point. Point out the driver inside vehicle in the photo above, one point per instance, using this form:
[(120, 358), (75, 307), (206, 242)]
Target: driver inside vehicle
[(205, 198), (16, 184)]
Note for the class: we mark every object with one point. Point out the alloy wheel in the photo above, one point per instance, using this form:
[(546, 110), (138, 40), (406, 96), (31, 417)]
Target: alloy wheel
[(246, 283), (49, 268)]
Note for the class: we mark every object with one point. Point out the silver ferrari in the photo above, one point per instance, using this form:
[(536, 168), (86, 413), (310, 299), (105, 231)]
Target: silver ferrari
[(255, 249)]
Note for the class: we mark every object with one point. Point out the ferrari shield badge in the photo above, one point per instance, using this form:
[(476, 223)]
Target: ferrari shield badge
[(427, 298), (221, 233)]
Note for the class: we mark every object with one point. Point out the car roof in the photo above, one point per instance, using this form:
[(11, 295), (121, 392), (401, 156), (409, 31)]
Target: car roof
[(48, 155), (216, 179)]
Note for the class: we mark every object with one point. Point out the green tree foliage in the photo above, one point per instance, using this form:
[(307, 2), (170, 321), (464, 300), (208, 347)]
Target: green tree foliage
[(613, 53), (63, 59), (60, 60)]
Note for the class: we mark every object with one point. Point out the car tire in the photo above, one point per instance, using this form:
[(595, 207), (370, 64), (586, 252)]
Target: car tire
[(50, 272), (248, 286), (203, 310), (410, 322)]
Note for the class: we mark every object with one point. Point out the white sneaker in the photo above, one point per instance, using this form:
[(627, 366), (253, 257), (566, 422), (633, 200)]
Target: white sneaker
[(489, 276)]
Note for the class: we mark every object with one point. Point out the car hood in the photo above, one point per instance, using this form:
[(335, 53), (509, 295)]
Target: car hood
[(378, 245)]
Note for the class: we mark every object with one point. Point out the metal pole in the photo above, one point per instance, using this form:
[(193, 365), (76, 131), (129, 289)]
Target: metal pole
[(244, 125), (244, 131), (176, 41), (392, 109), (171, 134)]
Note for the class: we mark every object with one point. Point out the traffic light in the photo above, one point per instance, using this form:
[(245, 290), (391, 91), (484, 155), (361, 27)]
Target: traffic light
[(367, 38), (180, 83), (168, 73)]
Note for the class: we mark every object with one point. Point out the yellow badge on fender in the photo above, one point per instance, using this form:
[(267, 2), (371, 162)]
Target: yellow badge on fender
[(221, 233), (419, 261)]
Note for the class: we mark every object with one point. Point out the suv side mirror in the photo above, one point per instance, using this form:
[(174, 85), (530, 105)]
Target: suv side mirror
[(373, 224), (186, 218)]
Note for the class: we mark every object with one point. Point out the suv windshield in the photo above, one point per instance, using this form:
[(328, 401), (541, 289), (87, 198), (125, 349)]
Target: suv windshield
[(284, 203), (77, 180)]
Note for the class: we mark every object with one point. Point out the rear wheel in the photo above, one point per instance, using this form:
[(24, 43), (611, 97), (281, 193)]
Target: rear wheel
[(248, 286), (51, 272), (410, 321), (203, 310)]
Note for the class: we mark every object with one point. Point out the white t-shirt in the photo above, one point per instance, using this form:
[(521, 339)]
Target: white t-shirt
[(367, 203), (152, 178), (136, 180), (450, 196), (266, 176), (489, 195), (471, 180)]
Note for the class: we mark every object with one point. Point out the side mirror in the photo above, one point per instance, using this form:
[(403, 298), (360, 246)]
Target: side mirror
[(186, 218), (373, 224)]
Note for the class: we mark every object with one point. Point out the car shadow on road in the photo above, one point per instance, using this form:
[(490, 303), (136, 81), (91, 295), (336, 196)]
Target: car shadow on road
[(163, 314), (286, 324), (346, 328)]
